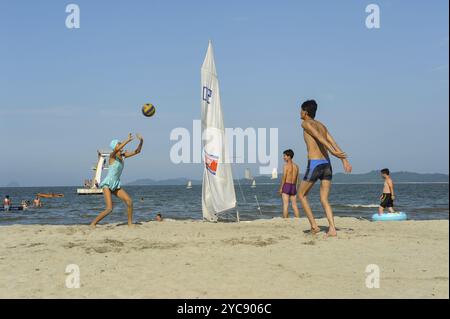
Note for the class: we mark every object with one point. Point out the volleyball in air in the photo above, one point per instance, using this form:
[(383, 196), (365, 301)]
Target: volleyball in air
[(148, 110)]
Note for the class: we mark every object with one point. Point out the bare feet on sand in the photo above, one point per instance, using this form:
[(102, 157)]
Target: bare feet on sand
[(331, 233), (93, 226)]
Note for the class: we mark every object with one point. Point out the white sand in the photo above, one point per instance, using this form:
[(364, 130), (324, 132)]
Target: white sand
[(260, 259)]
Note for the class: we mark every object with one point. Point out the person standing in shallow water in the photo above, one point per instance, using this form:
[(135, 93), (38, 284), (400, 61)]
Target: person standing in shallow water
[(6, 203), (319, 143), (111, 184), (37, 201)]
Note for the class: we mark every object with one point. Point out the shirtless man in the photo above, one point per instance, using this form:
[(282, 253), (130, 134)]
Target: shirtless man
[(288, 187), (319, 144), (6, 203), (37, 201), (387, 199)]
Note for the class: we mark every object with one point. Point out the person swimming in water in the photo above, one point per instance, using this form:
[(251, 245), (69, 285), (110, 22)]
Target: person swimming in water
[(25, 204), (319, 143), (111, 184), (288, 187)]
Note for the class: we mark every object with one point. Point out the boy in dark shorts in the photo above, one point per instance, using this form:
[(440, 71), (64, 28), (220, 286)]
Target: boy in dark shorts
[(288, 187), (318, 169), (387, 199)]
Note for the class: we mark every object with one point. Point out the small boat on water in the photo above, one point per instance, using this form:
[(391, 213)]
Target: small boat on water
[(91, 187), (189, 185), (50, 195), (253, 184)]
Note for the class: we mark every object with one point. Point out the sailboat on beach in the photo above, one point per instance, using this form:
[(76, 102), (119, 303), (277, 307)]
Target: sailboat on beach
[(218, 194)]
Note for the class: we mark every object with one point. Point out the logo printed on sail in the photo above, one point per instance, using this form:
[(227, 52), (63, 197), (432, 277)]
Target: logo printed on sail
[(211, 163), (207, 94)]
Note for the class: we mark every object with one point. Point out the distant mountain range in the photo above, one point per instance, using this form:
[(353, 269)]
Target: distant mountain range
[(171, 181), (12, 184), (398, 177), (371, 177)]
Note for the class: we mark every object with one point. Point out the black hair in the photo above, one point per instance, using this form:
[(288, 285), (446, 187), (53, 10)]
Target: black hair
[(289, 153), (7, 196), (385, 171), (310, 107), (159, 215)]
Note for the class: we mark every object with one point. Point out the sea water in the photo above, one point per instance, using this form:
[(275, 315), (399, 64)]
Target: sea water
[(419, 201)]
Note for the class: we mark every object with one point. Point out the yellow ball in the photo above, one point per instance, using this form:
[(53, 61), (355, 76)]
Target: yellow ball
[(148, 110)]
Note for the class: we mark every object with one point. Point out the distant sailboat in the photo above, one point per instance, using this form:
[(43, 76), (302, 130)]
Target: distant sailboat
[(248, 174), (274, 174), (189, 185), (253, 184)]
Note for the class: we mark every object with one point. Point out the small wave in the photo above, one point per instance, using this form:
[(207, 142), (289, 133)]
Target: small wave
[(362, 206)]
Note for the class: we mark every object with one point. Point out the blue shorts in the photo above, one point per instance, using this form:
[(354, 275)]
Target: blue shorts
[(318, 169)]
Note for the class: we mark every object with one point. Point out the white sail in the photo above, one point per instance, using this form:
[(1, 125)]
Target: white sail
[(189, 185), (91, 186), (99, 169), (248, 174), (253, 184), (218, 193), (274, 174)]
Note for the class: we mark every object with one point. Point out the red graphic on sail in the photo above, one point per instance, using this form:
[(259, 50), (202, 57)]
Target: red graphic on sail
[(211, 162)]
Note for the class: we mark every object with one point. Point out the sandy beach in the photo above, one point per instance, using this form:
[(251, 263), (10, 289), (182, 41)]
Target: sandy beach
[(260, 259)]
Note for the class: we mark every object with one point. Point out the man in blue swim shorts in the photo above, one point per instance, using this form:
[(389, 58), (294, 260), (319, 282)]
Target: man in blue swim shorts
[(319, 144)]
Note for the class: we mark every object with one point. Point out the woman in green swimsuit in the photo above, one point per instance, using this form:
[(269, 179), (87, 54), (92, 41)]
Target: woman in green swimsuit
[(111, 183)]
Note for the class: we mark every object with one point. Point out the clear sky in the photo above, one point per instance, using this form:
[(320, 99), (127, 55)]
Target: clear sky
[(65, 93)]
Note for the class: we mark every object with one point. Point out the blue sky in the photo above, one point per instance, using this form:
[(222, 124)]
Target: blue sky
[(65, 93)]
